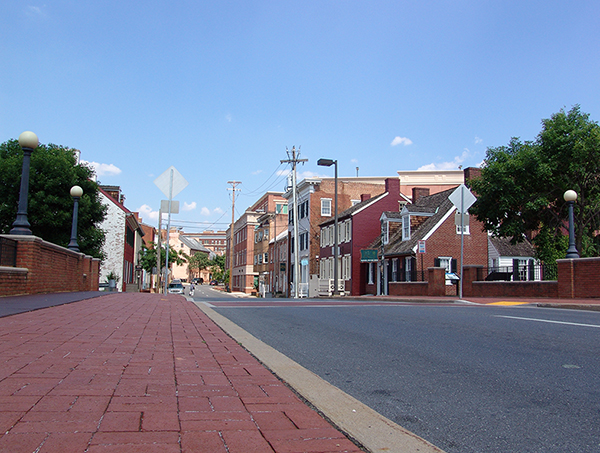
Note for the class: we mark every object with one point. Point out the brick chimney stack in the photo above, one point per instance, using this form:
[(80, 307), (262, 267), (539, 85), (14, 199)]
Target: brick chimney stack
[(418, 192)]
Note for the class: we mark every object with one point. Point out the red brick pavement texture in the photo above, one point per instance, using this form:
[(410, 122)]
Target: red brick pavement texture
[(144, 373)]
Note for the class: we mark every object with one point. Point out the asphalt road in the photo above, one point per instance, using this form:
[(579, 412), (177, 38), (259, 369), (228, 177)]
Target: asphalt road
[(466, 378)]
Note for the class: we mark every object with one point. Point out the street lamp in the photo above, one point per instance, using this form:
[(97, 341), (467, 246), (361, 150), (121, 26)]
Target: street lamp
[(329, 163), (76, 193), (28, 141), (570, 196)]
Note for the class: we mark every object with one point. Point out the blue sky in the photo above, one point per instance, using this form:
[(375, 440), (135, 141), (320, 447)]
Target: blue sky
[(219, 89)]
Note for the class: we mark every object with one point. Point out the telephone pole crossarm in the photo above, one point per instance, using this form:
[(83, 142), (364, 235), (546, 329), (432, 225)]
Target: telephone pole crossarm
[(294, 160)]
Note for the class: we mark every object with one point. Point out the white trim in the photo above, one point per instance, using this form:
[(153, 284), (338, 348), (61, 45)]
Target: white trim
[(435, 227)]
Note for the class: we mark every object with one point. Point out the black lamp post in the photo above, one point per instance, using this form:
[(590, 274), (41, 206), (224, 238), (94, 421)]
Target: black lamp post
[(329, 163), (28, 141), (76, 193), (570, 196)]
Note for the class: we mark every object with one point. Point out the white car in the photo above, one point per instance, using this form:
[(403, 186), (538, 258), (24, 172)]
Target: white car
[(175, 288)]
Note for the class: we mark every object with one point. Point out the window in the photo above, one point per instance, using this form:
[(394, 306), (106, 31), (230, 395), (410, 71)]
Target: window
[(406, 228), (281, 208), (326, 207), (346, 267), (408, 268), (395, 270), (354, 202), (348, 224), (448, 263), (266, 257), (385, 231)]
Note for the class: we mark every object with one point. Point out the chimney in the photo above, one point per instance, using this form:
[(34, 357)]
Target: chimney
[(392, 185), (365, 196), (418, 192), (471, 173)]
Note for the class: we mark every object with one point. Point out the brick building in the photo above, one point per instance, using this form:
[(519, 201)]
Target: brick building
[(215, 241), (315, 197), (278, 264), (357, 227), (424, 234), (123, 238)]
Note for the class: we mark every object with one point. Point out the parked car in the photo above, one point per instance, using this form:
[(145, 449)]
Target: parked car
[(175, 288)]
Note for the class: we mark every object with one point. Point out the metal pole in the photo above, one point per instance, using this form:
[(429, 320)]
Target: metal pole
[(572, 250), (462, 241), (73, 245), (335, 232), (21, 224), (168, 232), (158, 263)]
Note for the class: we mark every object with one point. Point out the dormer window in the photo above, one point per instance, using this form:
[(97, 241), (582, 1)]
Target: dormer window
[(406, 228), (385, 227)]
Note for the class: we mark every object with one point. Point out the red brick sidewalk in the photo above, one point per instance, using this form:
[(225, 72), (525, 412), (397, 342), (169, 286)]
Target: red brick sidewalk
[(143, 373)]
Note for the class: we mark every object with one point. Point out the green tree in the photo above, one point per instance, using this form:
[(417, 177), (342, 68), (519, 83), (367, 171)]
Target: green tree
[(522, 185), (53, 172), (218, 270), (198, 261), (148, 257)]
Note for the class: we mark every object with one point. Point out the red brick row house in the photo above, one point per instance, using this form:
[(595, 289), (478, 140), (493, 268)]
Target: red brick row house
[(424, 234), (357, 226)]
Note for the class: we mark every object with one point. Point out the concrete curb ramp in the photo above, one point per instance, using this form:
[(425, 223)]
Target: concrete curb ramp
[(370, 429)]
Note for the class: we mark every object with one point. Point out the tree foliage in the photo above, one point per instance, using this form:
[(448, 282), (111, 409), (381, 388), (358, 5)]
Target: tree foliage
[(522, 185), (198, 261), (148, 257), (53, 172)]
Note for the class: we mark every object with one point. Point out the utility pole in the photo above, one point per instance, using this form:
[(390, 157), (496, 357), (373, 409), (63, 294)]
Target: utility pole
[(233, 189), (158, 263), (293, 159)]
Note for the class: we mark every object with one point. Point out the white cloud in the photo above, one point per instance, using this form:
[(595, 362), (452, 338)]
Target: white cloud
[(103, 169), (354, 161), (218, 211), (257, 172), (478, 140), (300, 175), (146, 212), (401, 141), (189, 206), (452, 165), (228, 117), (284, 172), (34, 11), (204, 211)]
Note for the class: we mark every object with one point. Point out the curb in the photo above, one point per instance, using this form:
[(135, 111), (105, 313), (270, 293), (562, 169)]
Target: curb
[(369, 428)]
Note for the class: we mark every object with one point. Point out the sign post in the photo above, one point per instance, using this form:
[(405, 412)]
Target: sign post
[(462, 198), (170, 183)]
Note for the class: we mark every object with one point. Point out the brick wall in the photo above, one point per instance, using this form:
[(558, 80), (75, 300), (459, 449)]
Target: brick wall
[(578, 278), (43, 267)]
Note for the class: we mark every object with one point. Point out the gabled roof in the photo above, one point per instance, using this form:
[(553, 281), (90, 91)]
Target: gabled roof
[(437, 206), (504, 247), (194, 244), (356, 208)]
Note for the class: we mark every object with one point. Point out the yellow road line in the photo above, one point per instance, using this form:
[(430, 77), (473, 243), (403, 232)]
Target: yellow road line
[(505, 302)]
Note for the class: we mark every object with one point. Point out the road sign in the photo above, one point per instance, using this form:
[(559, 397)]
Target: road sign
[(164, 181), (368, 256), (421, 248), (462, 198), (164, 206)]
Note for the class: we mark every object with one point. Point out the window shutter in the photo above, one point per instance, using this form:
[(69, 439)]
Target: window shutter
[(437, 262), (453, 265)]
